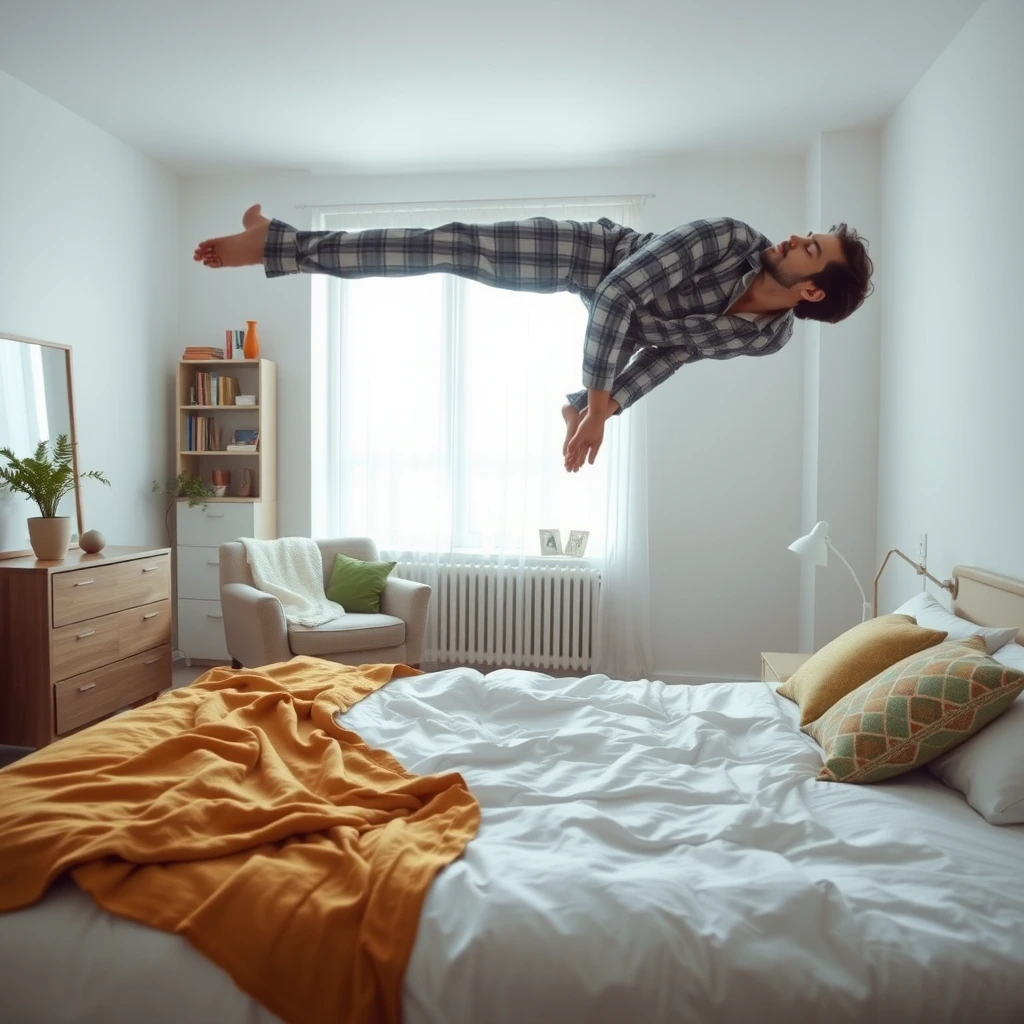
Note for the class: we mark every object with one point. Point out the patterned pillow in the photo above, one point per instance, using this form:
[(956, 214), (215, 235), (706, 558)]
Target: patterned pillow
[(919, 708)]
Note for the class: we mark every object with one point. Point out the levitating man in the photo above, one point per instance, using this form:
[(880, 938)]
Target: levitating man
[(711, 289)]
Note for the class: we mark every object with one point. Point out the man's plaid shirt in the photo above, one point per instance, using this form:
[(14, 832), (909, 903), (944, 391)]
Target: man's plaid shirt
[(665, 305)]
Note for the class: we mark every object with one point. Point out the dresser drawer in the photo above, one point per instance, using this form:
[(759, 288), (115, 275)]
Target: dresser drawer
[(201, 630), (144, 627), (199, 573), (215, 524), (87, 593), (84, 698), (144, 580), (84, 645)]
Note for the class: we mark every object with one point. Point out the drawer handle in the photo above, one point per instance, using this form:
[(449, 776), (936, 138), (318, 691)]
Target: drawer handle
[(84, 583), (151, 568), (210, 615), (150, 615), (213, 563), (86, 686), (214, 515), (152, 661), (88, 632)]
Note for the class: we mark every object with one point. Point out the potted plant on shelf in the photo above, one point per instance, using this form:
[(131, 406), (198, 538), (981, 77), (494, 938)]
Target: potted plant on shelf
[(45, 478), (184, 485)]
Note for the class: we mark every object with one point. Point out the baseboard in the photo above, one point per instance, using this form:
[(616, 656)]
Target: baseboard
[(441, 666), (700, 678), (671, 678)]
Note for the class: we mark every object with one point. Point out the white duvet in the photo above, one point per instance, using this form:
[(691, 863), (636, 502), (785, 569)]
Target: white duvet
[(647, 853)]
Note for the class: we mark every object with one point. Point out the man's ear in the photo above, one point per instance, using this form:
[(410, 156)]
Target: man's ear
[(811, 293)]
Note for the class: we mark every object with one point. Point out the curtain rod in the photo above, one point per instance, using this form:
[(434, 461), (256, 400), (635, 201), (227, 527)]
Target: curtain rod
[(482, 204)]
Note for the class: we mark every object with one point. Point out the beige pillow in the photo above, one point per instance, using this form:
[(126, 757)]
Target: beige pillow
[(916, 710), (852, 659)]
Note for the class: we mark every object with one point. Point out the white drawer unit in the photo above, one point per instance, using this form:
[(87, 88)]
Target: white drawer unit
[(215, 523), (201, 531), (203, 624), (198, 573)]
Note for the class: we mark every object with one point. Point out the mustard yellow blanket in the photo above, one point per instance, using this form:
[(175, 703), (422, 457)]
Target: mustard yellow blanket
[(236, 813)]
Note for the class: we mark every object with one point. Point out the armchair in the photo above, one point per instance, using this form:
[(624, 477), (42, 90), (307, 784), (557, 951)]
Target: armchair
[(258, 634)]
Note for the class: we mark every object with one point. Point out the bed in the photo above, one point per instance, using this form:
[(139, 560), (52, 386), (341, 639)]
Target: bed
[(647, 852)]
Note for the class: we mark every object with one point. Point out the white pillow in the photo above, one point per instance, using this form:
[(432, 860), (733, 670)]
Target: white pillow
[(930, 614), (989, 767)]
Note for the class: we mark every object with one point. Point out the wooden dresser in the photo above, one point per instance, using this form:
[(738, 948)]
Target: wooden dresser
[(81, 639)]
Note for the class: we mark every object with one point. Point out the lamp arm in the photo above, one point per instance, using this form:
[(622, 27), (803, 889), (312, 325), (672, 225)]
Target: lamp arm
[(863, 597), (950, 585)]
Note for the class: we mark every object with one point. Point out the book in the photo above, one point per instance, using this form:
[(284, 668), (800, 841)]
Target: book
[(244, 441), (200, 433)]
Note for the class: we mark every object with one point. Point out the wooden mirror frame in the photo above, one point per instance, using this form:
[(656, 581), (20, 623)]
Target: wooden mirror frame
[(74, 435)]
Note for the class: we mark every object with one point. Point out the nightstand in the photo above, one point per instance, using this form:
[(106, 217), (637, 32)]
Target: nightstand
[(777, 666)]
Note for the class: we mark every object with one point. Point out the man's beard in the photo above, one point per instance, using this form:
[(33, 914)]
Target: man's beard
[(785, 278)]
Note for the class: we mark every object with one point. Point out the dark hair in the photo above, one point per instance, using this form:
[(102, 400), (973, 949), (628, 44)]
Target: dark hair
[(846, 285)]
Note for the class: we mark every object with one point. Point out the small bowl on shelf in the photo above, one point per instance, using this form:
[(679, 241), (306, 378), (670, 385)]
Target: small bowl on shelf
[(245, 399)]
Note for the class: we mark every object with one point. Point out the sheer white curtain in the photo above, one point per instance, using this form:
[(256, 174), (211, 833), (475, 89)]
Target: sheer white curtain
[(23, 422), (438, 431), (23, 419)]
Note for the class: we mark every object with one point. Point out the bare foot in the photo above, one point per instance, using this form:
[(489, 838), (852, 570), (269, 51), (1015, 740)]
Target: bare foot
[(572, 417), (242, 250)]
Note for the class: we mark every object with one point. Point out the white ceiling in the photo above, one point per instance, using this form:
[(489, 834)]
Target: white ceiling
[(436, 85)]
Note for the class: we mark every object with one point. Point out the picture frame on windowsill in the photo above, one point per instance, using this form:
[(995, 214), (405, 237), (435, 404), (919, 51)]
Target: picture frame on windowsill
[(576, 546), (550, 542)]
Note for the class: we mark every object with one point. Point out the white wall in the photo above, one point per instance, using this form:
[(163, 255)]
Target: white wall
[(214, 301), (725, 438), (89, 260), (952, 364), (841, 413), (812, 413)]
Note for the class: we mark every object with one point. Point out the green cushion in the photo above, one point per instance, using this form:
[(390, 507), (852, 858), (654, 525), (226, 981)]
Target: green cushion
[(356, 585), (914, 711)]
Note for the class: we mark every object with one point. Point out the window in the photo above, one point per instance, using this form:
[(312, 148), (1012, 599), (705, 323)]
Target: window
[(440, 427)]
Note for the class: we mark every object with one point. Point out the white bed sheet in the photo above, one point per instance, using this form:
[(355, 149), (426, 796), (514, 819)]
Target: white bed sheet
[(647, 852)]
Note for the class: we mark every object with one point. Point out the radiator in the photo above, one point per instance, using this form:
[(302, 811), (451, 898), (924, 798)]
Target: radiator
[(541, 617)]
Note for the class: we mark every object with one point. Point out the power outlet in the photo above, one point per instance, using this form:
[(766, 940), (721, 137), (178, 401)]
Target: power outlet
[(922, 550)]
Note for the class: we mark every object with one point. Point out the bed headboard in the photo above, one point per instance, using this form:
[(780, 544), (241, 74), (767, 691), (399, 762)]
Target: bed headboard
[(989, 599)]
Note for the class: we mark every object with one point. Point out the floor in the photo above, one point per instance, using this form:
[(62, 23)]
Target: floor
[(182, 675)]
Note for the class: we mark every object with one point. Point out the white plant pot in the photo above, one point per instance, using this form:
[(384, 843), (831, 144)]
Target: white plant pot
[(50, 537)]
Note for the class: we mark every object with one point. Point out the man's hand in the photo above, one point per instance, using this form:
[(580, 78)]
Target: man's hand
[(585, 443)]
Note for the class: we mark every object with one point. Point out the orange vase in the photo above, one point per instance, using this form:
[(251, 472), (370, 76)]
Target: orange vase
[(251, 345)]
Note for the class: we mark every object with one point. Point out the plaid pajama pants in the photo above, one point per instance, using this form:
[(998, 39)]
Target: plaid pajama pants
[(535, 255)]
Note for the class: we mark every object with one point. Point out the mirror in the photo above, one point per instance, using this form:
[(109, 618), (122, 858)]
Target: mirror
[(36, 404)]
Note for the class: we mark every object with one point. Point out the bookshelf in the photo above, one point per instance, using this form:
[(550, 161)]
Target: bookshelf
[(201, 530), (198, 455)]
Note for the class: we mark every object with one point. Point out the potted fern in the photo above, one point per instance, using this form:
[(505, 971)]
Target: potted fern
[(45, 478)]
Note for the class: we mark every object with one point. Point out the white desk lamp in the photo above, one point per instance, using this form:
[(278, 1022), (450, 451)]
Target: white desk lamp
[(814, 547)]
